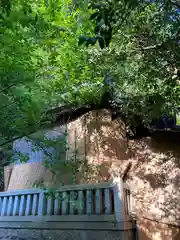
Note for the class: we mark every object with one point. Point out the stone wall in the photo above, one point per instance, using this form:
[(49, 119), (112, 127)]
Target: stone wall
[(155, 174), (28, 175), (30, 234)]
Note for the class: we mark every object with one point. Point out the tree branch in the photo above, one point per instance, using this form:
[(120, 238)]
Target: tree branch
[(11, 85), (63, 116), (11, 140), (160, 45), (175, 3)]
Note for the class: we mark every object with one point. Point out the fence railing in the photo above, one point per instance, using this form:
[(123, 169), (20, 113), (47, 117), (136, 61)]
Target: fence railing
[(106, 202)]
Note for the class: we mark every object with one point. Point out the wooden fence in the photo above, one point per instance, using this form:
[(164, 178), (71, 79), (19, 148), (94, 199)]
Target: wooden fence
[(81, 204)]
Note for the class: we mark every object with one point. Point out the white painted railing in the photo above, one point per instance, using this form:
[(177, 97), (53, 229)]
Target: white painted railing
[(108, 202)]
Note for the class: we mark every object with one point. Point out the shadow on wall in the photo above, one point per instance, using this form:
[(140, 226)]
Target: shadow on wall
[(94, 144), (100, 144), (103, 153), (108, 138), (155, 178), (103, 148), (152, 230)]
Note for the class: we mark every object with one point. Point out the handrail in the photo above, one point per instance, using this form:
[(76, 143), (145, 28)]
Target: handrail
[(64, 188), (20, 192), (86, 186)]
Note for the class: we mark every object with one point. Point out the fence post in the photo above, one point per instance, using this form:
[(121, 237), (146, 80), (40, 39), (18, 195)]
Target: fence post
[(4, 206), (41, 205), (22, 205), (35, 204), (131, 203), (98, 201), (16, 205), (65, 199), (10, 206), (119, 204)]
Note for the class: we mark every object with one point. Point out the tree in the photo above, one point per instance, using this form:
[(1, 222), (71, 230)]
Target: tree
[(143, 56), (41, 63), (117, 54)]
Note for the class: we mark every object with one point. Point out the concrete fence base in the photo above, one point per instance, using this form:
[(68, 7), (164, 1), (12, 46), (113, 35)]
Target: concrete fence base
[(80, 212), (39, 234)]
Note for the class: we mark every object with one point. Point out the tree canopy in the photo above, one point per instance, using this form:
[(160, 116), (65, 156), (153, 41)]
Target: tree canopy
[(116, 53)]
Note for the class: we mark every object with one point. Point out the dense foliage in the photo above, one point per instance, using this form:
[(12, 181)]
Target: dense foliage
[(143, 57), (41, 62), (72, 53)]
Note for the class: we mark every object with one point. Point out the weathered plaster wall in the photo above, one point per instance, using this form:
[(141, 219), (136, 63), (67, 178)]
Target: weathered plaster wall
[(154, 180), (96, 146), (27, 147), (100, 143), (154, 177), (152, 230), (30, 175), (27, 175)]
